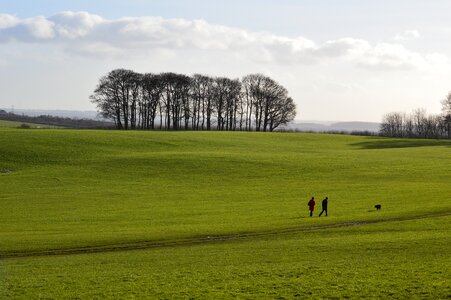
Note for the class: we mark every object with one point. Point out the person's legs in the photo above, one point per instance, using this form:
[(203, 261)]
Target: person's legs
[(326, 211), (311, 213), (321, 213)]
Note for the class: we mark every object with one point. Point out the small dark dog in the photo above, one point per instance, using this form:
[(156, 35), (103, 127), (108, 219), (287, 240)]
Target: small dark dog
[(377, 206)]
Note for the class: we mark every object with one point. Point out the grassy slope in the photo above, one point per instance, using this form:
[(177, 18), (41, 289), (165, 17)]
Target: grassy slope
[(407, 260), (14, 124), (77, 188)]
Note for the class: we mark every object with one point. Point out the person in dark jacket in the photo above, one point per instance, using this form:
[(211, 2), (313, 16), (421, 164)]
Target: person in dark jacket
[(324, 205), (311, 205)]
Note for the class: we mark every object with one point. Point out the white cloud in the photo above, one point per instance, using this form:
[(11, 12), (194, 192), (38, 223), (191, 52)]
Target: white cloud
[(87, 34), (391, 56), (36, 29), (407, 35), (39, 28), (75, 24), (7, 21)]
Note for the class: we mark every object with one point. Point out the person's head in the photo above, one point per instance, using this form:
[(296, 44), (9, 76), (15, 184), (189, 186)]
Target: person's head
[(313, 198), (327, 198)]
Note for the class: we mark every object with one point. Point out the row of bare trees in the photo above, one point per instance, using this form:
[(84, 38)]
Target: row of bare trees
[(176, 101), (419, 124)]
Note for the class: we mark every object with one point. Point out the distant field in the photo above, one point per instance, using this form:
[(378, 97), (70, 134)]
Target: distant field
[(13, 124), (81, 191)]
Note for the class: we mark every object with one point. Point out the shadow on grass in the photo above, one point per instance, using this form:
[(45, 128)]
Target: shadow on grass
[(387, 143)]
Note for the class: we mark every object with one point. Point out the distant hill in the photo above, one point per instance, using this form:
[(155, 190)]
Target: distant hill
[(73, 114), (337, 126), (52, 121), (14, 124), (356, 126)]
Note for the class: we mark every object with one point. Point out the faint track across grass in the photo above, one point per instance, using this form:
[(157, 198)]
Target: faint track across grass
[(142, 245)]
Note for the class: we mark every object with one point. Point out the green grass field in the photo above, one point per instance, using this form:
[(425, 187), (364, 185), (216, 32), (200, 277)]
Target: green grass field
[(13, 124), (98, 191)]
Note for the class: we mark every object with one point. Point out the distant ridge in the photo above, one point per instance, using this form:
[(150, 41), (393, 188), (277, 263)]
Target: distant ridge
[(52, 120), (334, 126), (75, 114)]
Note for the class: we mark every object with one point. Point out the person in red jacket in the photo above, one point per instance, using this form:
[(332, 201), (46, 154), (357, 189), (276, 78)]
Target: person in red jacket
[(311, 205)]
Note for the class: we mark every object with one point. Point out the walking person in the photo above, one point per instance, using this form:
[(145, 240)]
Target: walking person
[(324, 205), (311, 205)]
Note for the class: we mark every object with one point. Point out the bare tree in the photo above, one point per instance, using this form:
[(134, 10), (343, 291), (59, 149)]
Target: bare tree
[(107, 103), (283, 112), (269, 102), (151, 89), (419, 117), (248, 83), (134, 85), (220, 89), (446, 109), (113, 96), (408, 125), (392, 124), (233, 97), (171, 99)]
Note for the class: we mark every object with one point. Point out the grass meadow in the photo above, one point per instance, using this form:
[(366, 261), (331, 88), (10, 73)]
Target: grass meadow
[(14, 124), (83, 189)]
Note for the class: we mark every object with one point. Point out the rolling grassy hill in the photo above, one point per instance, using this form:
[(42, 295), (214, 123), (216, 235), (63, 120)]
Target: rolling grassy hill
[(14, 124), (220, 214)]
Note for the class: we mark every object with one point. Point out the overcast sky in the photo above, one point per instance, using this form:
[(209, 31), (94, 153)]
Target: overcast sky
[(340, 60)]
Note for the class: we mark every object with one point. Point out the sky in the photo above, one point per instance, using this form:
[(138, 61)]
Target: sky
[(350, 60)]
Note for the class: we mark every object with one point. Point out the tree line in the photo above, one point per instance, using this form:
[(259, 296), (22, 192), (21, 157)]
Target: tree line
[(199, 102), (419, 124)]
